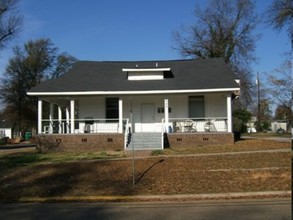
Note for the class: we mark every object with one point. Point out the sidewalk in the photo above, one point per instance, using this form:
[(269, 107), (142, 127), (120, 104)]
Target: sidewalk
[(146, 198)]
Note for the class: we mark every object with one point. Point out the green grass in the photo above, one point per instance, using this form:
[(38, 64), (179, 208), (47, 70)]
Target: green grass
[(157, 152), (21, 159)]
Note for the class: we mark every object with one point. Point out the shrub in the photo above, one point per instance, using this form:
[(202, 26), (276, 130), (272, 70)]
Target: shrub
[(240, 119)]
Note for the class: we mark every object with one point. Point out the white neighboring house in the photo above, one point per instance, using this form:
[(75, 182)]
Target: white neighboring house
[(280, 124), (251, 125), (5, 129), (146, 97), (5, 132)]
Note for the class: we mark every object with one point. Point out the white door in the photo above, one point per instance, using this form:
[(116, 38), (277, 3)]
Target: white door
[(147, 117)]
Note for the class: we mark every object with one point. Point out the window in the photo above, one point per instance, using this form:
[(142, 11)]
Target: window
[(112, 108), (196, 107), (155, 73)]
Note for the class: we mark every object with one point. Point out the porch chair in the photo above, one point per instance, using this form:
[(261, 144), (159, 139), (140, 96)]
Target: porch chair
[(189, 126), (213, 127), (210, 126), (87, 128), (177, 126)]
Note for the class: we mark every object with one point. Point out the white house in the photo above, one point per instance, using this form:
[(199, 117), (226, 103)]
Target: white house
[(5, 129), (145, 104), (5, 132), (280, 124)]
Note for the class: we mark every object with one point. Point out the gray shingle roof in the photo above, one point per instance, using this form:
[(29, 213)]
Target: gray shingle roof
[(92, 76)]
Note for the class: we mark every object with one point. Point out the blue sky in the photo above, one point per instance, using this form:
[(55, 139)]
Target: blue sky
[(127, 30)]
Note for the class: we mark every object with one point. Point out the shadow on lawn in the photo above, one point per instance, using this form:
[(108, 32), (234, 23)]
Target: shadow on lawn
[(22, 175), (19, 160), (147, 170)]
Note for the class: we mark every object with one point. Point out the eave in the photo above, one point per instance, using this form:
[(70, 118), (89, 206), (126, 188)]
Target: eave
[(150, 92)]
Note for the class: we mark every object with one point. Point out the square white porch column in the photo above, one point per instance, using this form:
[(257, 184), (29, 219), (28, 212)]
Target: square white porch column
[(60, 119), (51, 115), (67, 120), (166, 111), (120, 127), (229, 113), (72, 121), (40, 115)]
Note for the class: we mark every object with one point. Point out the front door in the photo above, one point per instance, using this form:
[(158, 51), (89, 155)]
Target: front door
[(147, 117)]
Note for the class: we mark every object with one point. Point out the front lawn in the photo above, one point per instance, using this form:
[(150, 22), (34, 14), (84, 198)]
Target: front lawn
[(93, 174)]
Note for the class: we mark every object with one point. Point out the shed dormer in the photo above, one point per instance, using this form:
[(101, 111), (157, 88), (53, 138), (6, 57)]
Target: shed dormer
[(146, 73)]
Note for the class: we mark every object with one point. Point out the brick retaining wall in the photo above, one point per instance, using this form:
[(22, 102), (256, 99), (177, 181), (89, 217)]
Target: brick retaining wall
[(177, 140), (99, 142), (80, 142)]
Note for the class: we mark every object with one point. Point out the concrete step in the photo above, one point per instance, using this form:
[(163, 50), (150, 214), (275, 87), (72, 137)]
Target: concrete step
[(146, 141)]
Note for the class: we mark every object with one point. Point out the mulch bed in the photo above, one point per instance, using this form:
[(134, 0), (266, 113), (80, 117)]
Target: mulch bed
[(153, 176)]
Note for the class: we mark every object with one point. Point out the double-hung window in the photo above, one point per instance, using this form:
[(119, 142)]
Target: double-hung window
[(196, 107), (112, 108)]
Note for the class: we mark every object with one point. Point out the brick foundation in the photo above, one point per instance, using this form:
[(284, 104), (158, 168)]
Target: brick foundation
[(177, 140), (100, 142), (80, 142)]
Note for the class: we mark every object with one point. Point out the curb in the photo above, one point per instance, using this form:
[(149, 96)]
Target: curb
[(144, 198)]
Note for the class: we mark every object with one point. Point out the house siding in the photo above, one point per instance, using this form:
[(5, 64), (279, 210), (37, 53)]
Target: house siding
[(92, 107), (216, 105)]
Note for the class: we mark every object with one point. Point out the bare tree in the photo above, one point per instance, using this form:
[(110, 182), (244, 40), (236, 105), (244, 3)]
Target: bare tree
[(10, 21), (280, 15), (280, 87), (282, 112), (223, 29), (63, 63), (36, 61)]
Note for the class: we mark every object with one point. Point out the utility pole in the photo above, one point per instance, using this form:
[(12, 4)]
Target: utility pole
[(291, 103), (258, 103)]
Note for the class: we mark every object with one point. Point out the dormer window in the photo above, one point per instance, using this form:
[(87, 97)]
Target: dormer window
[(146, 73)]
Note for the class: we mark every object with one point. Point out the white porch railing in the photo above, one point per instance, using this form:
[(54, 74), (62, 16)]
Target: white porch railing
[(93, 125), (185, 125), (87, 125)]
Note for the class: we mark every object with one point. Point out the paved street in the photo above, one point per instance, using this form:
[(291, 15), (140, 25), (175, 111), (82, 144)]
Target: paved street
[(269, 209)]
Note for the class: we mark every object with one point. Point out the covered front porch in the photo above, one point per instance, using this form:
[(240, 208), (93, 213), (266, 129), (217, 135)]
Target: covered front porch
[(125, 115)]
